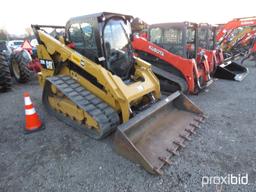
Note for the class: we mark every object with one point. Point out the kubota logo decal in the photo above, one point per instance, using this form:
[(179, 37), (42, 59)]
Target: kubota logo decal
[(247, 22), (156, 50)]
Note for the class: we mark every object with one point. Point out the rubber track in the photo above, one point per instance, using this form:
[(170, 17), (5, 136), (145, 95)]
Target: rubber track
[(106, 117), (171, 77)]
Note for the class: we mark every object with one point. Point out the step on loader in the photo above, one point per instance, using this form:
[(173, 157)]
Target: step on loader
[(92, 81)]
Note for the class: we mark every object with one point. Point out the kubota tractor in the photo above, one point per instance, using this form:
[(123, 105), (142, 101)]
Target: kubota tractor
[(183, 39), (170, 51), (231, 29), (220, 67), (24, 62)]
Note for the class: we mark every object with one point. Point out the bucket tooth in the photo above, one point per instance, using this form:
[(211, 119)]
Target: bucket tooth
[(203, 116), (199, 120), (190, 131), (194, 125), (185, 137), (178, 143), (165, 160), (173, 152), (158, 171)]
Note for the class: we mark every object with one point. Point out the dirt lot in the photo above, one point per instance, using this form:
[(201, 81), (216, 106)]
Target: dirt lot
[(61, 159)]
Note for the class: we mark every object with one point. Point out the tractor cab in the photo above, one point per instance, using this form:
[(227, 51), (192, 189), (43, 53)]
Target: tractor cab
[(104, 38), (178, 38), (206, 36)]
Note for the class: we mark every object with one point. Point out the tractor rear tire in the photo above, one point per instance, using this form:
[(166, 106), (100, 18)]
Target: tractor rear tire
[(19, 66), (5, 75)]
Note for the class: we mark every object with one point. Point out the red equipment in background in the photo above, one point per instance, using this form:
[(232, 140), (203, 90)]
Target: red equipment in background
[(246, 39), (226, 29), (175, 71), (220, 67), (23, 62), (171, 67), (34, 64), (252, 51)]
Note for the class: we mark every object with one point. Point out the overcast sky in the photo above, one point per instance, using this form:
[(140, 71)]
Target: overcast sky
[(15, 15)]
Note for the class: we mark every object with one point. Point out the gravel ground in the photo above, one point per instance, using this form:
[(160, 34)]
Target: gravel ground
[(61, 159)]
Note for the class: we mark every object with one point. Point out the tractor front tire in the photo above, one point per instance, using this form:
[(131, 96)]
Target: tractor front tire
[(5, 75), (19, 66)]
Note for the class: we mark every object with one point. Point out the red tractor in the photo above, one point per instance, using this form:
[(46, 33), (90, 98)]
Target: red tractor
[(171, 52), (184, 55), (220, 67), (23, 62), (226, 30)]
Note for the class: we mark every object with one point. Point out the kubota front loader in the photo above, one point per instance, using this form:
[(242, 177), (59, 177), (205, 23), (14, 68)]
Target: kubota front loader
[(220, 67), (174, 71), (92, 81)]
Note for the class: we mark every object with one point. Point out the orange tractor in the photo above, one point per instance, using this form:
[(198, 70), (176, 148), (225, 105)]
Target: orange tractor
[(226, 31), (171, 53), (23, 62), (185, 51), (221, 67)]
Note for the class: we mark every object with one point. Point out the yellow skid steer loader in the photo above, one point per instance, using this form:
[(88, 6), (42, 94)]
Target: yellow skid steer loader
[(92, 81)]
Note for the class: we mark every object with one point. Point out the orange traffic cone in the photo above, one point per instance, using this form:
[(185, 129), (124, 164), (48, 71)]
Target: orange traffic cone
[(33, 122)]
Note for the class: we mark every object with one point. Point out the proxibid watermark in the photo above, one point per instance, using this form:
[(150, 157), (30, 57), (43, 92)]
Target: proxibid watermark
[(230, 179)]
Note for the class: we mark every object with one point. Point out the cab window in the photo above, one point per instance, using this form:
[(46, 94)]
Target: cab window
[(76, 36), (173, 36), (190, 35), (83, 37), (89, 36), (156, 35)]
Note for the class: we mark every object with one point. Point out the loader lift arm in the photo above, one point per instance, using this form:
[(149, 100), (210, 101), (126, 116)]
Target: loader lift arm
[(226, 29)]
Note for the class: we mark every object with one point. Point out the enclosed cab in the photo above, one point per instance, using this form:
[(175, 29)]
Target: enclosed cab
[(206, 36), (104, 39), (178, 38)]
